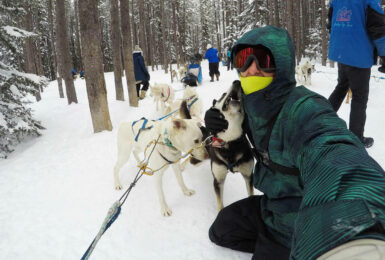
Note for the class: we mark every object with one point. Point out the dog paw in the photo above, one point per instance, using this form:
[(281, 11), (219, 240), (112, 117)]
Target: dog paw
[(166, 212), (189, 192)]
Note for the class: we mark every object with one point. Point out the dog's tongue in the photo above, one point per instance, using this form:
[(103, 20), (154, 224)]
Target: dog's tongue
[(217, 142)]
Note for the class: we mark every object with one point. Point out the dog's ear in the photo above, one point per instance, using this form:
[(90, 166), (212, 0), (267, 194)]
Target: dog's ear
[(179, 124), (214, 102), (183, 110)]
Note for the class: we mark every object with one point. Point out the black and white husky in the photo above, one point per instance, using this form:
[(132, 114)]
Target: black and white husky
[(230, 150)]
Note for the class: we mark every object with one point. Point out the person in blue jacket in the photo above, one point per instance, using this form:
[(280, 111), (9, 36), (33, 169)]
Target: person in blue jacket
[(357, 30), (73, 72), (142, 77), (212, 56), (229, 63)]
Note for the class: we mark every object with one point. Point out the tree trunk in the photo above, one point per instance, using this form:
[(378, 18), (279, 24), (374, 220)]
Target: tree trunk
[(289, 18), (276, 13), (30, 48), (163, 41), (324, 33), (149, 37), (64, 56), (142, 41), (93, 67), (116, 54), (127, 52), (134, 28), (174, 22), (77, 34), (52, 36), (223, 19), (297, 29)]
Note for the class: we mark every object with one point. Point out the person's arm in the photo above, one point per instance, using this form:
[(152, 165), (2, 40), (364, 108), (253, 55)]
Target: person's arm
[(330, 16), (143, 67), (343, 187), (375, 26)]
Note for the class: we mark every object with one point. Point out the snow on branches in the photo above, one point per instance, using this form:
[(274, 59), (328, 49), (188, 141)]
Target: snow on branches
[(16, 120)]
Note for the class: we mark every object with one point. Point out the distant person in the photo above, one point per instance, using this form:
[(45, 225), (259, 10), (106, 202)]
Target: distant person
[(356, 27), (73, 71), (142, 77), (229, 63), (212, 56), (81, 73)]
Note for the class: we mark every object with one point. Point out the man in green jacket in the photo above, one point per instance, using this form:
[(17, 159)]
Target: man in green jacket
[(324, 196)]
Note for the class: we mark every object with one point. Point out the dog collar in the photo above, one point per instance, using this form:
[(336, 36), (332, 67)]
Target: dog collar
[(166, 140)]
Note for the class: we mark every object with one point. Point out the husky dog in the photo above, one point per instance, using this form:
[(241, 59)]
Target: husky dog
[(174, 75), (176, 136), (303, 73), (182, 71), (162, 94), (233, 153), (193, 101)]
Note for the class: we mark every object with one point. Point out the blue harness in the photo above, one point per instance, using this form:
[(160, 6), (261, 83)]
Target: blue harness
[(145, 120)]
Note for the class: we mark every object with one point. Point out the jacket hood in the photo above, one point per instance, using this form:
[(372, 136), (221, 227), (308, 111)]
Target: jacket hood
[(261, 106), (278, 41)]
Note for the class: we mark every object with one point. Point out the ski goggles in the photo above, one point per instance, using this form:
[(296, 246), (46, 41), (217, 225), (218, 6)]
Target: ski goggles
[(261, 55)]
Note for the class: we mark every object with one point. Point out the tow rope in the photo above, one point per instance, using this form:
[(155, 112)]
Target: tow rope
[(115, 209)]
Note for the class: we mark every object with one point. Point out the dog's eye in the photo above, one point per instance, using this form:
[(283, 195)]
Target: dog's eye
[(196, 141)]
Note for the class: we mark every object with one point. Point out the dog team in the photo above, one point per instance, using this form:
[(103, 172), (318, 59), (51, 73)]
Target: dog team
[(227, 151), (180, 133)]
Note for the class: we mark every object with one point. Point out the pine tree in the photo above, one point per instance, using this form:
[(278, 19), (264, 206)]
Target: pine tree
[(16, 122)]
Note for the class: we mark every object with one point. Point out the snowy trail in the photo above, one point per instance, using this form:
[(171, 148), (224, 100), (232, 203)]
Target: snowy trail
[(56, 189)]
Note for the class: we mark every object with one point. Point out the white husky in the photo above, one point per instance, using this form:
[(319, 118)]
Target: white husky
[(176, 136), (193, 101), (303, 73), (162, 94)]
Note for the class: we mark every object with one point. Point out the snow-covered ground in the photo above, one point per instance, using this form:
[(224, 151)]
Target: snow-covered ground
[(56, 189)]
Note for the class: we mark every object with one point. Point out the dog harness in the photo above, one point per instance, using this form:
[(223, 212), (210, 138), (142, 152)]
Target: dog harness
[(194, 99), (145, 120), (263, 155), (168, 93)]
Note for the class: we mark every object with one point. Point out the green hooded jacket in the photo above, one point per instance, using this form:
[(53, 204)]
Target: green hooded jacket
[(340, 191)]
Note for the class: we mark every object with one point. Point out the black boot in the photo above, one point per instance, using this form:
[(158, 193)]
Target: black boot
[(367, 141)]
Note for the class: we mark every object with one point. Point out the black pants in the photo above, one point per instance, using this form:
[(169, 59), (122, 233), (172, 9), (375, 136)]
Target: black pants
[(357, 79), (229, 64), (213, 69), (145, 86), (239, 226)]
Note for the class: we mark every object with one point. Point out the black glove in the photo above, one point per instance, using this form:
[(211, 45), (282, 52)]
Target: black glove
[(215, 121), (382, 67)]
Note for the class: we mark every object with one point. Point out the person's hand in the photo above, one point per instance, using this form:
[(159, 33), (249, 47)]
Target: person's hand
[(215, 121), (382, 67)]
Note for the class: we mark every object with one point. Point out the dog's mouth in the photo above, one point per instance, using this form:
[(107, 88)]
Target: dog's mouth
[(233, 99)]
